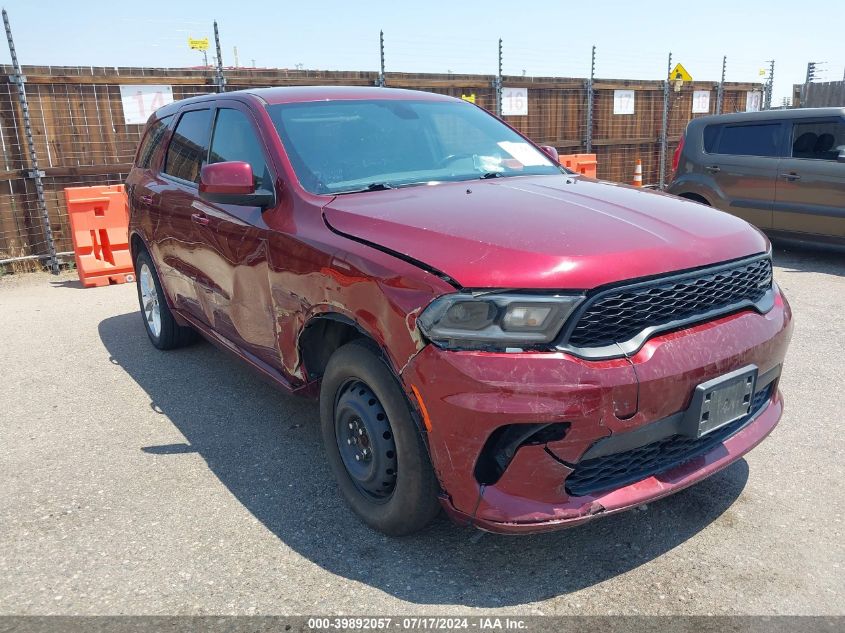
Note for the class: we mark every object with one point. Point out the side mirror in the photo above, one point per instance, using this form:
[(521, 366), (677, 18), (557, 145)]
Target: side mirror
[(232, 183), (552, 152)]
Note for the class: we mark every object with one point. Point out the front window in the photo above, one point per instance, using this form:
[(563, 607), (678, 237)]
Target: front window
[(234, 138), (357, 145), (818, 140)]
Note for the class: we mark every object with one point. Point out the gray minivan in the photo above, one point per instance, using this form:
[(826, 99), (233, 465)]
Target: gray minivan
[(781, 170)]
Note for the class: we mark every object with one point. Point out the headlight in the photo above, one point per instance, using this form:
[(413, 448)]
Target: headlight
[(496, 320)]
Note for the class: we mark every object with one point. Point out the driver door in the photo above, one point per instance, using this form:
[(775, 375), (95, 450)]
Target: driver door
[(810, 190), (236, 300)]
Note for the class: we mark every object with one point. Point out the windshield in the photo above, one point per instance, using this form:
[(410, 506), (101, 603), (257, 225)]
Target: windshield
[(349, 146)]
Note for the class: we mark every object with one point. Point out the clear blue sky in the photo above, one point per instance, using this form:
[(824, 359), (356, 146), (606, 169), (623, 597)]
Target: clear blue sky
[(541, 38)]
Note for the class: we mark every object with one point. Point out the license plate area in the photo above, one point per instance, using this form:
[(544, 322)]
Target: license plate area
[(721, 401)]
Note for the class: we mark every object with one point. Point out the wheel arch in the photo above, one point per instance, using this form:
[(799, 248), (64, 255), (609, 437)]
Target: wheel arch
[(338, 329), (136, 245), (695, 197), (323, 334)]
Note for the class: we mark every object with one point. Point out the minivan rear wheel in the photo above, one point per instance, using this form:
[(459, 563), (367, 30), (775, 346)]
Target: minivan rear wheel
[(373, 446), (161, 326)]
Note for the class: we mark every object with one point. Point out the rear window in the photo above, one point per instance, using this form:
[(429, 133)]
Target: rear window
[(152, 141), (749, 140), (711, 133), (188, 147)]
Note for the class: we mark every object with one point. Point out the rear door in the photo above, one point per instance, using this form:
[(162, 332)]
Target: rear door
[(143, 183), (810, 195), (742, 160), (178, 235)]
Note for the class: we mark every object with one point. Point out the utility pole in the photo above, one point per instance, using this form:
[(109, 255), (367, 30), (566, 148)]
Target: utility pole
[(221, 80), (664, 132), (236, 56), (497, 83), (767, 101), (34, 172), (720, 92), (588, 139), (380, 81), (811, 75)]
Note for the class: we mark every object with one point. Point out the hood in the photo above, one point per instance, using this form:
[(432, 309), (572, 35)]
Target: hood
[(544, 232)]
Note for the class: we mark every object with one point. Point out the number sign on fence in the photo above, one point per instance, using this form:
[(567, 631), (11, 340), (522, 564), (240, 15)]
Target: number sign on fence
[(139, 102), (514, 101)]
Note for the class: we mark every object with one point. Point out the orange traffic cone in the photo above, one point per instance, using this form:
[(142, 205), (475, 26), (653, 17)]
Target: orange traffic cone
[(638, 174)]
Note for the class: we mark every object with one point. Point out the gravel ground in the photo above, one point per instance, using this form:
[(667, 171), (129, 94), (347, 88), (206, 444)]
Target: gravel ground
[(139, 482)]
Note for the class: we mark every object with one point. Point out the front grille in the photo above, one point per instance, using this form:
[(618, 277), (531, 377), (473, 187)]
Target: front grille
[(621, 314), (620, 469)]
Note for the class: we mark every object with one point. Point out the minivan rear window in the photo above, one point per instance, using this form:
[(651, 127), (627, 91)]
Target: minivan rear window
[(750, 140), (711, 133)]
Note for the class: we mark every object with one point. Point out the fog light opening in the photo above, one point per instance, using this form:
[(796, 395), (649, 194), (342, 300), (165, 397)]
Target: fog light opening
[(503, 443)]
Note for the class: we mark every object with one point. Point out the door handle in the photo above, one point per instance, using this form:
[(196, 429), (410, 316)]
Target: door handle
[(713, 169), (147, 199), (790, 176), (199, 218)]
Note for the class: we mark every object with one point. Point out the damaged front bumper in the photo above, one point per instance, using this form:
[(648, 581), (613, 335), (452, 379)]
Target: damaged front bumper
[(585, 411)]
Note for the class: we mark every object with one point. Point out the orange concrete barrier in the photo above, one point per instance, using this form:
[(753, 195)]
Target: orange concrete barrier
[(585, 164), (99, 223)]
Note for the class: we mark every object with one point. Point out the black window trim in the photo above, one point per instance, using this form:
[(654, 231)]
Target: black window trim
[(191, 108), (782, 150)]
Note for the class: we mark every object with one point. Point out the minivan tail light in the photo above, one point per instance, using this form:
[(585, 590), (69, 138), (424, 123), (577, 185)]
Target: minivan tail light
[(676, 157)]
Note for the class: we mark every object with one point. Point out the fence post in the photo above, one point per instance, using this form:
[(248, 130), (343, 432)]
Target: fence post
[(221, 80), (34, 172), (664, 129), (588, 139), (497, 83), (720, 92), (767, 101), (380, 80)]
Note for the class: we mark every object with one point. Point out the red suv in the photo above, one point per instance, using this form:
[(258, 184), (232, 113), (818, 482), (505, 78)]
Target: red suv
[(486, 332)]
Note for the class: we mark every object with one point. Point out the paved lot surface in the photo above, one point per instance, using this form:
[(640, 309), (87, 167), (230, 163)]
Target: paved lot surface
[(134, 481)]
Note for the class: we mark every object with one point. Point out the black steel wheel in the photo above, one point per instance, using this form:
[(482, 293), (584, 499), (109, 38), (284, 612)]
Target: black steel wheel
[(373, 445), (365, 440)]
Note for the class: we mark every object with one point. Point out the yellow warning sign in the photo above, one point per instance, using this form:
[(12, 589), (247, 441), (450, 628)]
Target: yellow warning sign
[(200, 44), (679, 72)]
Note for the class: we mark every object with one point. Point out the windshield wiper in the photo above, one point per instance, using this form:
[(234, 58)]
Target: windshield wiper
[(373, 186), (492, 174)]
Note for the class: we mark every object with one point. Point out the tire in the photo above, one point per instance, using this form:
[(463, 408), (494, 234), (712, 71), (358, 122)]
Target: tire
[(394, 488), (164, 332)]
